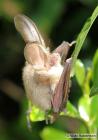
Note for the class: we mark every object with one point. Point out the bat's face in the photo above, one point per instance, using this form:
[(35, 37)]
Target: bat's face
[(46, 81), (55, 59)]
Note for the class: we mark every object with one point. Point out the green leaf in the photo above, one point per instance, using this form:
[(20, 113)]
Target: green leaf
[(94, 89), (95, 68), (93, 111), (37, 114), (71, 110), (86, 86), (84, 109), (82, 36), (80, 72), (50, 133)]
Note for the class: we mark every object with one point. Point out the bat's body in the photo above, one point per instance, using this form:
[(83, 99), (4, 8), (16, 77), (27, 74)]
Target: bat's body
[(40, 84), (46, 81)]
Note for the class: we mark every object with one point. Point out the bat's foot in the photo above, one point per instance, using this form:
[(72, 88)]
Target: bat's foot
[(28, 119), (53, 117), (47, 117)]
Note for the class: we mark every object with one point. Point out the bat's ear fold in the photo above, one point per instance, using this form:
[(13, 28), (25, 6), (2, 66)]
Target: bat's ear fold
[(33, 55)]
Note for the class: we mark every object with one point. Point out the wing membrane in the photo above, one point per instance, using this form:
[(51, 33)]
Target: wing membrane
[(62, 89)]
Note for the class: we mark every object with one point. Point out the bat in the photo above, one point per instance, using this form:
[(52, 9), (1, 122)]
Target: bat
[(46, 75)]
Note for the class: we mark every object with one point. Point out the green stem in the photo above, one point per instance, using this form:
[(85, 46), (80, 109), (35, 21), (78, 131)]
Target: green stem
[(82, 35)]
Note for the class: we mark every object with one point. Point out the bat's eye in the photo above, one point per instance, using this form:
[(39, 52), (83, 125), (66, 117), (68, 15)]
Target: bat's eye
[(54, 59)]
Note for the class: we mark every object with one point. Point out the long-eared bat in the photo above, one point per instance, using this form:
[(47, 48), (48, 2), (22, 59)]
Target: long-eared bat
[(45, 79)]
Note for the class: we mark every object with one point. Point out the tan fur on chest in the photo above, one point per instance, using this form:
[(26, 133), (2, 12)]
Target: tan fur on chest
[(39, 86)]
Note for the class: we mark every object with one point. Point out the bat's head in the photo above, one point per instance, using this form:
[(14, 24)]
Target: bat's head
[(55, 59)]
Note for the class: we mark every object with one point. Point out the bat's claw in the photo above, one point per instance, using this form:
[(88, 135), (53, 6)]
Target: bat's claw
[(72, 43), (47, 117), (54, 117), (28, 119)]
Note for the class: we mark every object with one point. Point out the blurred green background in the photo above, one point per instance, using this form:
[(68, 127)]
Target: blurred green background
[(57, 20)]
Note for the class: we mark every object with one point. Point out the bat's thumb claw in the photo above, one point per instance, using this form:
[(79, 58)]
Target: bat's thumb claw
[(72, 43), (69, 60)]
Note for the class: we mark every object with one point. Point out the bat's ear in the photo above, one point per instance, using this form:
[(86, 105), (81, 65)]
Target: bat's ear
[(33, 55), (28, 30)]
